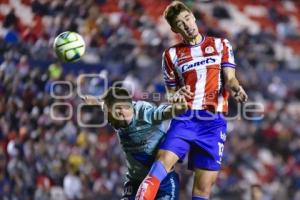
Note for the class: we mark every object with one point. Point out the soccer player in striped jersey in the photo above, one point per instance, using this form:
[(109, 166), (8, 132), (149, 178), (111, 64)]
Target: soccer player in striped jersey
[(206, 65), (139, 126)]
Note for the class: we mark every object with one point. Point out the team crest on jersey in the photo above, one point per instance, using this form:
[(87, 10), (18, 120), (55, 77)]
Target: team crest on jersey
[(209, 50)]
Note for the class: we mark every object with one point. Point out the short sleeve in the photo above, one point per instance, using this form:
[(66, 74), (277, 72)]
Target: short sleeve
[(227, 54)]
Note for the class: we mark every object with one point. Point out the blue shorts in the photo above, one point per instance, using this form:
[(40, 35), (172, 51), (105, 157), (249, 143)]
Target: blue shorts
[(168, 190), (202, 134)]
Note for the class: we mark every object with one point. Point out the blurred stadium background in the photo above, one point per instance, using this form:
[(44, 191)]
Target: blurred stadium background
[(42, 158)]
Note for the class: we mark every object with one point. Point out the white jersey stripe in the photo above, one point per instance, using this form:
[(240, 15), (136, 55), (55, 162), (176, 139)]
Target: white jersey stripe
[(200, 89), (196, 52), (218, 44), (172, 53), (220, 103)]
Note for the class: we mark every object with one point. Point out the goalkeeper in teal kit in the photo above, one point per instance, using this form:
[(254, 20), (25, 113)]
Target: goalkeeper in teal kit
[(140, 131)]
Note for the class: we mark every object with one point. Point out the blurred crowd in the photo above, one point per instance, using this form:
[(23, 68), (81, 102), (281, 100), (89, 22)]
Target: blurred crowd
[(46, 154)]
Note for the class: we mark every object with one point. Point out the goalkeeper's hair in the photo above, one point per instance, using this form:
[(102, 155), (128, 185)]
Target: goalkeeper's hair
[(173, 10), (116, 95)]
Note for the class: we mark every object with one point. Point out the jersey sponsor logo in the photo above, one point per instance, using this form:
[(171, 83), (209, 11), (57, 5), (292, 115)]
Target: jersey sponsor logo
[(192, 65)]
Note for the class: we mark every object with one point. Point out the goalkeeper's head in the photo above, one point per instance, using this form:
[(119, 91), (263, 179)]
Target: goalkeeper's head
[(118, 103)]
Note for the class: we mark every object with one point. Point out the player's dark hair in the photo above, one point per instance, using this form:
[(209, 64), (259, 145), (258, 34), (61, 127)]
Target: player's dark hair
[(116, 95), (256, 186), (174, 9)]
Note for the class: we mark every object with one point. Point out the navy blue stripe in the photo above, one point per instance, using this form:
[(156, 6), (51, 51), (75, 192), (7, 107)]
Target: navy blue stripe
[(170, 81), (172, 84), (227, 63), (228, 66)]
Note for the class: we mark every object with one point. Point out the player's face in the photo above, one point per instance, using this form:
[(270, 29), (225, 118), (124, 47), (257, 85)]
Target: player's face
[(256, 193), (185, 25), (122, 114)]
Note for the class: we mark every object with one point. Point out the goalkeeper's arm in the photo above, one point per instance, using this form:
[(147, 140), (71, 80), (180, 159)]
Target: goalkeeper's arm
[(178, 101), (93, 100)]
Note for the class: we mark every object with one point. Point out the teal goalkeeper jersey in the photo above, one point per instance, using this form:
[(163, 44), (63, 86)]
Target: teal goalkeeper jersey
[(140, 141)]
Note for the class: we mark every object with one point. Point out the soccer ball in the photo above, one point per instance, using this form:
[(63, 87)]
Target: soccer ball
[(69, 46)]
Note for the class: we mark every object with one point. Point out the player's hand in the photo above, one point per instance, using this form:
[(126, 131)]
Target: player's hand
[(91, 100), (184, 91), (239, 94), (180, 104), (179, 99)]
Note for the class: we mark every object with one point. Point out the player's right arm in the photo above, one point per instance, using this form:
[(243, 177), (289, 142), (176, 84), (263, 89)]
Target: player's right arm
[(169, 75), (171, 80)]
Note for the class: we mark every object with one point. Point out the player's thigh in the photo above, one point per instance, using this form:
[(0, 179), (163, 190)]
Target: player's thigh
[(206, 151), (167, 158), (204, 180), (176, 144)]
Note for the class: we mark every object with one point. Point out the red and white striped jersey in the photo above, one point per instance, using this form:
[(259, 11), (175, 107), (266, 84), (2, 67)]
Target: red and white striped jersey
[(200, 66)]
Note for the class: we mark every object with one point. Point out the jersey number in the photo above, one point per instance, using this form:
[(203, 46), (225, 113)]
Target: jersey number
[(221, 148)]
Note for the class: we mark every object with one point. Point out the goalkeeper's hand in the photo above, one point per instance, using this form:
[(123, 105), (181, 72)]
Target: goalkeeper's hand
[(92, 100)]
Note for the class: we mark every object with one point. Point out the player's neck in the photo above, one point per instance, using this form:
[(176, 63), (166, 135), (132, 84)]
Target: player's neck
[(195, 40)]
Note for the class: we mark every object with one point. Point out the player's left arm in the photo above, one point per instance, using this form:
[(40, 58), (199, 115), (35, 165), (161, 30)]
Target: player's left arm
[(233, 85), (228, 67)]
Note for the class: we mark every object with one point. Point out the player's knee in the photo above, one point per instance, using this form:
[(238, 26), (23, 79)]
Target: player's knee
[(202, 190), (167, 158), (167, 164)]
